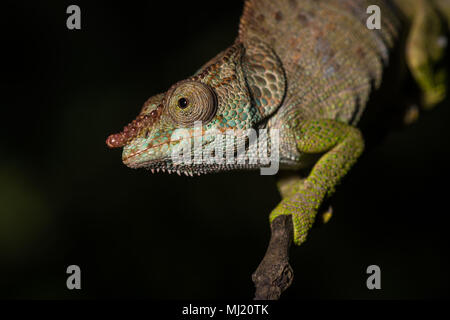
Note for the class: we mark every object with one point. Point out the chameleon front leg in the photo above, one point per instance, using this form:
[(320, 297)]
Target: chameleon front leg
[(286, 184), (341, 145)]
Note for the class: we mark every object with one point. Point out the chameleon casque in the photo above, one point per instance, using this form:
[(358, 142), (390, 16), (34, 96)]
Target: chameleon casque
[(306, 68)]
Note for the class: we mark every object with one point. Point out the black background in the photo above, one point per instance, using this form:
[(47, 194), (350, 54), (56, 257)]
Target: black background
[(65, 198)]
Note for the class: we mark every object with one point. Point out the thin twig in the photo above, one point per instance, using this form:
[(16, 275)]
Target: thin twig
[(274, 274)]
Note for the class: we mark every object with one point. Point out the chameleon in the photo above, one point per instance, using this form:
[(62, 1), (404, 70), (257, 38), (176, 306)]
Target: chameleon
[(307, 69)]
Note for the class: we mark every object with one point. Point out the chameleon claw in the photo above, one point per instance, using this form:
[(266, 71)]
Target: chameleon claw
[(326, 216), (411, 114)]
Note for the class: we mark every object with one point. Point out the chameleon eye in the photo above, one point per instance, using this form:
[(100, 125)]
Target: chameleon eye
[(183, 103), (190, 101)]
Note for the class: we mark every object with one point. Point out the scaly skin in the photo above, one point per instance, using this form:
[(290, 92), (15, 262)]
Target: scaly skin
[(305, 68)]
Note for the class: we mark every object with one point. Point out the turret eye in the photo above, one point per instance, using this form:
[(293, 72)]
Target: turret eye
[(182, 103), (190, 101)]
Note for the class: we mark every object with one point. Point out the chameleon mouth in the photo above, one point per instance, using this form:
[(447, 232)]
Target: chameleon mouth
[(165, 164), (158, 158), (127, 159), (132, 159)]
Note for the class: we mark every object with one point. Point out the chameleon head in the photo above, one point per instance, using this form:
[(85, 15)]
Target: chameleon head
[(219, 97)]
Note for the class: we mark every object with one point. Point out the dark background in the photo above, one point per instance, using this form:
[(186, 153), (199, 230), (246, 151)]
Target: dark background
[(65, 198)]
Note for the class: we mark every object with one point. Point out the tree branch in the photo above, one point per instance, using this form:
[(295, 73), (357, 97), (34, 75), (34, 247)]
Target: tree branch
[(274, 274)]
